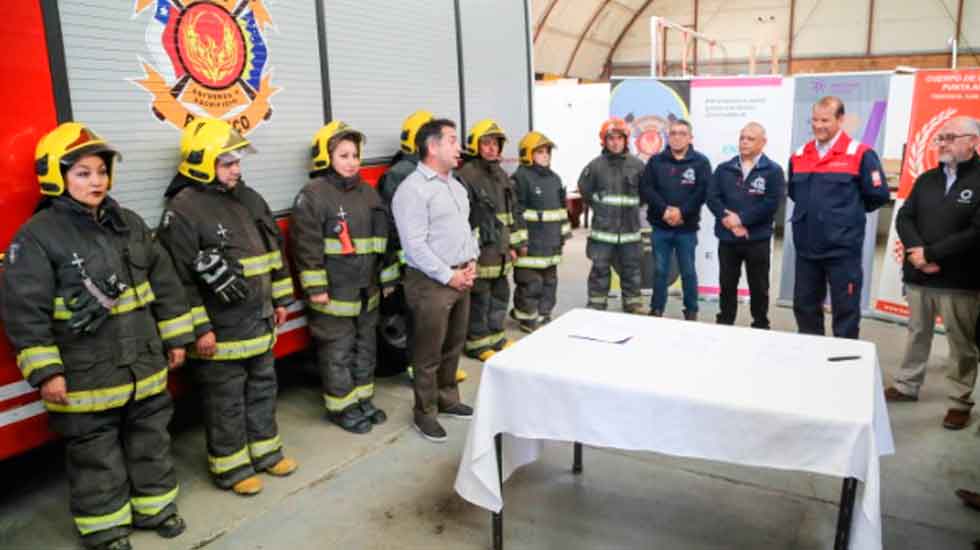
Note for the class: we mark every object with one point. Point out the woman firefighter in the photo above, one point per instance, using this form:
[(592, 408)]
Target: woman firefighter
[(339, 234), (91, 304), (541, 197)]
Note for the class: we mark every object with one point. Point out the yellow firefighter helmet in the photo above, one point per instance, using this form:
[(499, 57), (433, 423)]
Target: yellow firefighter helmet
[(410, 128), (486, 127), (530, 142), (321, 142), (60, 148), (203, 141)]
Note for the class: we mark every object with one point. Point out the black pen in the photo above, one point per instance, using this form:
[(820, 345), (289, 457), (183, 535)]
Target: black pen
[(844, 358)]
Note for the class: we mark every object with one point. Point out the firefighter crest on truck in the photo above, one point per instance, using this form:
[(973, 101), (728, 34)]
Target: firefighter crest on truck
[(209, 59)]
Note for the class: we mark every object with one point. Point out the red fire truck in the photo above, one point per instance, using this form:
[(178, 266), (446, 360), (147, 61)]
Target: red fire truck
[(138, 71)]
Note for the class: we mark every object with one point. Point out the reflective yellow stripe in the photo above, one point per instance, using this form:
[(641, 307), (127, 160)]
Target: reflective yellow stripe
[(242, 349), (178, 326), (493, 271), (401, 257), (151, 506), (537, 262), (337, 404), (364, 392), (566, 229), (222, 464), (362, 245), (199, 315), (476, 234), (258, 449), (313, 277), (505, 218), (151, 385), (525, 316), (390, 273), (37, 357), (519, 236), (346, 308), (598, 300), (282, 287), (619, 200), (261, 264), (484, 342), (129, 300), (557, 215), (614, 238), (92, 524), (633, 300)]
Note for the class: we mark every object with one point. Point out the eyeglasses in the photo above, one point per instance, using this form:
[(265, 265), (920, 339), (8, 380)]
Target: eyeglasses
[(949, 138)]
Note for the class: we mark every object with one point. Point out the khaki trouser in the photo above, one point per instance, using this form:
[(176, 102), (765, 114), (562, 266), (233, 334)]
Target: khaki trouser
[(958, 309), (439, 317)]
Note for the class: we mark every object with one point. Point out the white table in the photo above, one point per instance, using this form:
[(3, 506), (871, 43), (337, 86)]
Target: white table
[(743, 396)]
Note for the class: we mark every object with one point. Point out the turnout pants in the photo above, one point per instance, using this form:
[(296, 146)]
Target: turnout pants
[(626, 257), (120, 472), (958, 309), (755, 256), (844, 274), (535, 292), (240, 417), (489, 299), (346, 356), (440, 314)]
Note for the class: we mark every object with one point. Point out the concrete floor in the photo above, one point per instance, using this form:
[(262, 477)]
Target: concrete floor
[(393, 490)]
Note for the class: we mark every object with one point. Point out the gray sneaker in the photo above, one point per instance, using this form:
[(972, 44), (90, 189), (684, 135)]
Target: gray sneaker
[(458, 410), (430, 429)]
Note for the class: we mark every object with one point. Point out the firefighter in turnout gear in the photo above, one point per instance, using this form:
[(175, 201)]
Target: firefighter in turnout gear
[(91, 303), (226, 249), (541, 200), (339, 235), (610, 187), (502, 237)]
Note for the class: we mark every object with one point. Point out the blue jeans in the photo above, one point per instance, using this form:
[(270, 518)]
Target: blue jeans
[(665, 243)]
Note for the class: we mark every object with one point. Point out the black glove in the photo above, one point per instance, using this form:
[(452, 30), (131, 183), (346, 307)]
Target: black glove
[(90, 305), (224, 277)]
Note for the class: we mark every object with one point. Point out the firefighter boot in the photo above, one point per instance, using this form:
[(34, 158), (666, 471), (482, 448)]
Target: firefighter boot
[(171, 527), (283, 468), (372, 413), (122, 543), (352, 419), (248, 486)]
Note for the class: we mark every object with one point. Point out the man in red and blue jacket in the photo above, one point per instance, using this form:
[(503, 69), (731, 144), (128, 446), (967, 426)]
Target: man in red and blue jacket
[(744, 194), (833, 181)]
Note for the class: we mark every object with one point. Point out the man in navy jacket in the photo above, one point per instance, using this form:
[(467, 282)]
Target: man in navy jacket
[(743, 195), (833, 181), (674, 185)]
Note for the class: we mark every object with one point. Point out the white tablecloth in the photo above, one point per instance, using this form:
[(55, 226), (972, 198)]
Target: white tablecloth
[(731, 394)]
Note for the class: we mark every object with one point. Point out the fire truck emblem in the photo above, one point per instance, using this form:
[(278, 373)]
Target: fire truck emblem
[(209, 59)]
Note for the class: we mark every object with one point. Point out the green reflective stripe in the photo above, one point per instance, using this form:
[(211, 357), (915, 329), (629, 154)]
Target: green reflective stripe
[(222, 464), (505, 218), (401, 257), (484, 342), (362, 245), (261, 264), (338, 308), (518, 237), (93, 400), (364, 392), (93, 524), (476, 234), (600, 300), (556, 215), (258, 449), (390, 273), (37, 357), (493, 271), (566, 229), (615, 238), (525, 316), (151, 385), (374, 302), (537, 262), (178, 326), (633, 300), (151, 506), (129, 300), (282, 287), (313, 277), (619, 200), (241, 349), (337, 404), (199, 316)]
